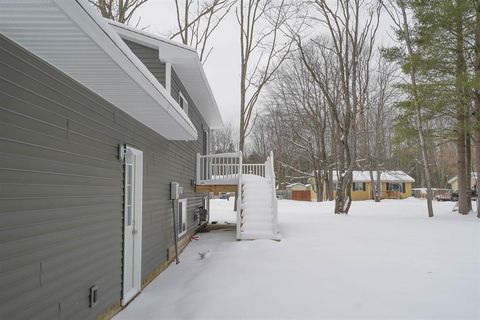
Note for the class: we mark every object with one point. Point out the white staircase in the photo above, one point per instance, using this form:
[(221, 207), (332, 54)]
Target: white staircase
[(257, 207)]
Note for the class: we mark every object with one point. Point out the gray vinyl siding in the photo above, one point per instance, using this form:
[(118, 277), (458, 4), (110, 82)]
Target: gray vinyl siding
[(150, 59), (61, 191)]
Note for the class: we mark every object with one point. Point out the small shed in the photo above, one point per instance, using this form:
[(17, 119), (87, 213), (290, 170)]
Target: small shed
[(299, 191), (453, 182)]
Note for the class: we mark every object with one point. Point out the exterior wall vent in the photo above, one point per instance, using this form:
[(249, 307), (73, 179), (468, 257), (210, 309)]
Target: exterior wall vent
[(93, 296)]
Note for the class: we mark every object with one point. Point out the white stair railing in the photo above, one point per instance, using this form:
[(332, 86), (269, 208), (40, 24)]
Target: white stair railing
[(239, 201), (257, 169), (270, 168)]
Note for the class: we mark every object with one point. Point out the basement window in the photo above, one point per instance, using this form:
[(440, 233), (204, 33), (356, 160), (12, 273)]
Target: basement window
[(182, 101), (182, 217)]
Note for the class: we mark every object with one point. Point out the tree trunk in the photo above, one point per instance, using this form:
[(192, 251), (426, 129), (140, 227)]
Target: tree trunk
[(418, 111), (319, 185), (320, 188), (342, 197), (461, 173), (241, 143), (468, 163), (373, 189), (330, 186), (378, 195), (461, 114), (477, 100)]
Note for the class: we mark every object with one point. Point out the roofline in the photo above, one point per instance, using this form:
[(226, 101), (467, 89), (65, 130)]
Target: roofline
[(151, 35), (143, 72), (151, 40)]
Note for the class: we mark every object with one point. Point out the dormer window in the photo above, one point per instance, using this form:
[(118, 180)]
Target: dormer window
[(182, 101)]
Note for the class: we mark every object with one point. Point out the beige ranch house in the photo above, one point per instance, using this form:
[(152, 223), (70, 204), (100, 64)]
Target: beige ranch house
[(395, 185)]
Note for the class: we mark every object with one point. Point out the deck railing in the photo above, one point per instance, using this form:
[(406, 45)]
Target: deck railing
[(218, 168), (224, 168)]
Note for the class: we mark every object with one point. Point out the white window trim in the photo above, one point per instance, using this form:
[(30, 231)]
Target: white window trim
[(185, 102), (183, 203)]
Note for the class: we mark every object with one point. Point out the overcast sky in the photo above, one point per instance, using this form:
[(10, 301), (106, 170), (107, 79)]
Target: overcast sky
[(223, 65)]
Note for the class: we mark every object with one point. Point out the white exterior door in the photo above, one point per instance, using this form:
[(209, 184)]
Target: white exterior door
[(132, 235)]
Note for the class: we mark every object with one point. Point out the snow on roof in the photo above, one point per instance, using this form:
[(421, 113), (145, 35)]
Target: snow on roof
[(385, 176), (291, 185)]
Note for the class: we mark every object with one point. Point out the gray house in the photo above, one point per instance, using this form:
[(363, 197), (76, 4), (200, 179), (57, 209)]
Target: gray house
[(96, 121)]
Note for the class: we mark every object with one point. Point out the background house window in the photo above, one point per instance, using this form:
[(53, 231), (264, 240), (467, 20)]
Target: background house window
[(182, 101), (359, 186), (398, 187), (182, 217)]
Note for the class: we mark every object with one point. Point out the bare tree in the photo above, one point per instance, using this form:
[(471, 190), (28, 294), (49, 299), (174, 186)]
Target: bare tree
[(223, 140), (118, 10), (376, 120), (197, 20), (263, 47), (351, 27), (300, 101)]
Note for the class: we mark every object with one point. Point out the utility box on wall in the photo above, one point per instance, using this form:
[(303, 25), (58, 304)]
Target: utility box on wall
[(174, 190)]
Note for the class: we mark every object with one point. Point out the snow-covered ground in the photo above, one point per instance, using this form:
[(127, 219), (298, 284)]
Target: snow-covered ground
[(384, 260)]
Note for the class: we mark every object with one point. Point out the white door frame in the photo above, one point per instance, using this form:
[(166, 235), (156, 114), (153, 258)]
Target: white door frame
[(132, 225)]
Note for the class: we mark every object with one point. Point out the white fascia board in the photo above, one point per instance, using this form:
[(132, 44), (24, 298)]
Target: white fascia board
[(168, 77), (180, 56), (106, 38)]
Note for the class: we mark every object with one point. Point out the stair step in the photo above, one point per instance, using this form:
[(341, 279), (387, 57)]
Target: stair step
[(258, 218), (259, 223), (257, 200), (252, 209), (254, 235), (261, 187), (258, 228), (257, 195)]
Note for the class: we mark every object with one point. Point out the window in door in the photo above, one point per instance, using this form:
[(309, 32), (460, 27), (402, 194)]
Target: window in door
[(182, 217), (129, 193)]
